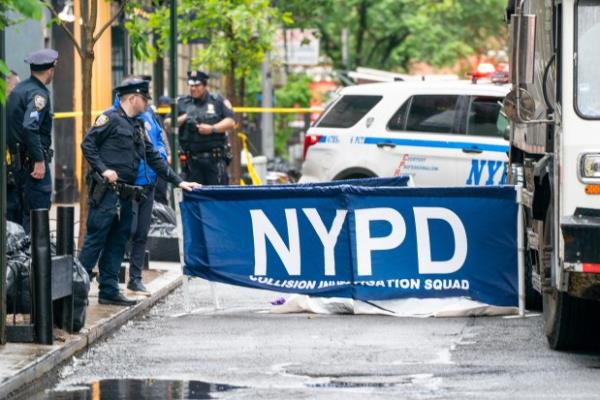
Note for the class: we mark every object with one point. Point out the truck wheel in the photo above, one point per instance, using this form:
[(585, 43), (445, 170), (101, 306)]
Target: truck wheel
[(570, 323)]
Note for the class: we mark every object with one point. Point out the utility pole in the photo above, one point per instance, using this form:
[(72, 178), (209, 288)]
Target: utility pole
[(173, 92), (2, 207), (266, 120)]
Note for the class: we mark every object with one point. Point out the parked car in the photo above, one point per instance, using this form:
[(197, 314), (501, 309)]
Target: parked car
[(440, 133)]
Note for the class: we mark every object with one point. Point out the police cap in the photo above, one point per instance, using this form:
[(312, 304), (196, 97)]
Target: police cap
[(197, 77), (134, 86), (42, 60)]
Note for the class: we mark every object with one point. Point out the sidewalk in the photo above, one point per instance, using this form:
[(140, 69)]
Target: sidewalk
[(22, 363)]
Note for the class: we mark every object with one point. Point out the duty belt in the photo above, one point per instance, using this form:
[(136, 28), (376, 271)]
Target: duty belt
[(125, 191), (215, 154)]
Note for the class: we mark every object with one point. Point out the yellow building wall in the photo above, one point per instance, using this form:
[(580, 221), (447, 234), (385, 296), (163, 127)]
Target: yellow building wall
[(101, 74)]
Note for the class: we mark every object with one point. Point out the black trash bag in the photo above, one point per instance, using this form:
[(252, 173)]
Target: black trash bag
[(16, 239), (163, 214), (162, 230), (81, 288), (18, 284)]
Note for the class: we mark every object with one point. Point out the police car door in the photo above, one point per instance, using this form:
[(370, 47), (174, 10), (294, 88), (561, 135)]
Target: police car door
[(423, 131), (485, 159)]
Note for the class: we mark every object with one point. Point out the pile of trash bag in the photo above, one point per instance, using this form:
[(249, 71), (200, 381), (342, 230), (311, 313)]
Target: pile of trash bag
[(18, 258), (164, 221), (18, 284)]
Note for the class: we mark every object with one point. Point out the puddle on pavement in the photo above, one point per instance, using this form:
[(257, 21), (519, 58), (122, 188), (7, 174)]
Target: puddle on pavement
[(139, 389), (354, 385)]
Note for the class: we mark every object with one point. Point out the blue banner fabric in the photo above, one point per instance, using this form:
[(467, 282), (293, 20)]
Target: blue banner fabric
[(356, 239)]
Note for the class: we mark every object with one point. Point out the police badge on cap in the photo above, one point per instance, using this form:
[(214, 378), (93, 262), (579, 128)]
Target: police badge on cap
[(42, 60), (197, 77), (134, 86)]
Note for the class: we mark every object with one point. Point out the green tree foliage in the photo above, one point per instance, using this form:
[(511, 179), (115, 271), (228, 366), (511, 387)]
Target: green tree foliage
[(238, 33), (11, 12), (390, 34), (295, 93)]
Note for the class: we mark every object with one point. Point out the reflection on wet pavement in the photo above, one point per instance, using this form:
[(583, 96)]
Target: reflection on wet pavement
[(139, 389)]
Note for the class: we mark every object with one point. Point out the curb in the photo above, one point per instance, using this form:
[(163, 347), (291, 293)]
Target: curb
[(49, 361)]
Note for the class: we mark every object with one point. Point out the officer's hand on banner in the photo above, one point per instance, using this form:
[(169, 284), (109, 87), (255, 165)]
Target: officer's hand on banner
[(204, 129), (189, 186), (111, 175), (39, 170)]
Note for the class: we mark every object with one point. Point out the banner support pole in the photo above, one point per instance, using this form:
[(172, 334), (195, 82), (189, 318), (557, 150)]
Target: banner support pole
[(521, 250), (178, 197)]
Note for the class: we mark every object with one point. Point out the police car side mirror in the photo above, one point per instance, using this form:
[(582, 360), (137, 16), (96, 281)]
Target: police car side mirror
[(506, 134)]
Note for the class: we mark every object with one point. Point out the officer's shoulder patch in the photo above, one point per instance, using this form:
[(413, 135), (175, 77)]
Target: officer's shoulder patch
[(227, 104), (40, 102), (101, 121)]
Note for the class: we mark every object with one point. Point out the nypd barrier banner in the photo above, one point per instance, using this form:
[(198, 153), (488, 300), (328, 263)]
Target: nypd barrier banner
[(365, 240)]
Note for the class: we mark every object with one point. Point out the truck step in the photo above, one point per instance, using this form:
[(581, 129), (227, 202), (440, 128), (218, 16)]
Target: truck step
[(532, 239)]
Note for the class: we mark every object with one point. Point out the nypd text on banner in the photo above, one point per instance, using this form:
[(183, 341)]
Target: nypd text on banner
[(356, 240)]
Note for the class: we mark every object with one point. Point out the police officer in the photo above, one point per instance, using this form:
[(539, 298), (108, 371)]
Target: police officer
[(147, 179), (29, 138), (204, 119), (114, 147)]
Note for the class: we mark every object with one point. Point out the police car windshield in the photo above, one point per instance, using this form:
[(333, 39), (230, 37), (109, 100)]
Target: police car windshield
[(348, 111), (588, 58)]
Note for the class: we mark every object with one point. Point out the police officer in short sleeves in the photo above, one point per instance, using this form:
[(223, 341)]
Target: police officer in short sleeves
[(204, 119)]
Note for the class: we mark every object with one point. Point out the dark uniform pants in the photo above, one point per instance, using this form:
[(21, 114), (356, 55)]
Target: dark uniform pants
[(14, 204), (207, 171), (160, 192), (108, 229), (37, 194), (142, 217)]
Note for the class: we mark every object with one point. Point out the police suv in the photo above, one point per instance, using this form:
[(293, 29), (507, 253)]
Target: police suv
[(439, 133)]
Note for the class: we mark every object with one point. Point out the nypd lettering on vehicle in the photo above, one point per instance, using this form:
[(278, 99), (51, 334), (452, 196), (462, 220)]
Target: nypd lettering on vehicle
[(481, 172)]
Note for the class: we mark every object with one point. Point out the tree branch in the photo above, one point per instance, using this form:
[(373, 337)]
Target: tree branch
[(109, 23), (64, 27), (92, 22)]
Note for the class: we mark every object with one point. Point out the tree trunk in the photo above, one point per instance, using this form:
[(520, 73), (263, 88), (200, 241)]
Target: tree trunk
[(236, 146), (86, 75)]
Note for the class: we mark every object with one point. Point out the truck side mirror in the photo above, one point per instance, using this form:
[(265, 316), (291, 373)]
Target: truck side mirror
[(519, 109), (522, 52)]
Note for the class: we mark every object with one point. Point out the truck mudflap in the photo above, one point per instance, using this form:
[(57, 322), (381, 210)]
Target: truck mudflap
[(581, 234)]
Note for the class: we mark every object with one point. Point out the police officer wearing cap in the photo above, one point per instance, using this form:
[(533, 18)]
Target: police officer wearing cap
[(29, 138), (114, 147), (204, 119)]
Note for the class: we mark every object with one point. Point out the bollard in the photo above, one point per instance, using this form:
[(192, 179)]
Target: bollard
[(41, 270), (65, 246), (65, 230)]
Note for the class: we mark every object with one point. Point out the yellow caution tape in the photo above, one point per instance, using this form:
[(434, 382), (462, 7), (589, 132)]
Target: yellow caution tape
[(251, 171), (73, 114), (167, 110)]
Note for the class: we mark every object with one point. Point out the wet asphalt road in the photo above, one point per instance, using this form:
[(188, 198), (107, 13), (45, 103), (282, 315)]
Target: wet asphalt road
[(302, 356)]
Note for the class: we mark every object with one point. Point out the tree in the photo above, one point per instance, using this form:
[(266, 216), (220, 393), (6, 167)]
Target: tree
[(295, 93), (85, 49), (390, 34), (10, 13), (239, 34)]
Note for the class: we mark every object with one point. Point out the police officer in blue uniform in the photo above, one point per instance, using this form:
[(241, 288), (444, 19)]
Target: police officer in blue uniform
[(29, 138), (142, 208), (114, 147), (204, 119)]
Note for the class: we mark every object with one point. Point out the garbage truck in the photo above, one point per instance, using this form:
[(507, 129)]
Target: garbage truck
[(554, 154)]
